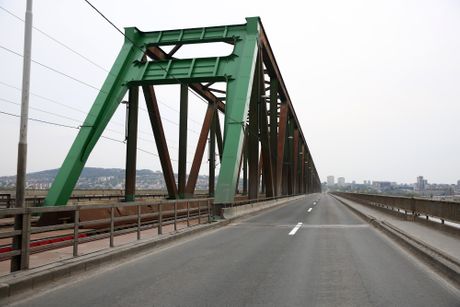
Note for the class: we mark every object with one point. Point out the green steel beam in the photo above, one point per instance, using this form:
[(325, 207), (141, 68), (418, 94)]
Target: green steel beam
[(132, 69), (107, 101), (236, 110)]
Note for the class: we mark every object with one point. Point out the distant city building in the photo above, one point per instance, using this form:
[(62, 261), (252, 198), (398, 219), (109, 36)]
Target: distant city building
[(330, 180), (382, 185), (341, 181), (421, 184), (458, 184)]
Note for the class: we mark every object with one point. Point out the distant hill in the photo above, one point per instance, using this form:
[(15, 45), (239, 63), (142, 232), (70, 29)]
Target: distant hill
[(98, 178)]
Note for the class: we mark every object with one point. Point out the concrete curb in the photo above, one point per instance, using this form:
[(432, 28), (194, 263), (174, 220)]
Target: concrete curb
[(436, 259), (19, 285)]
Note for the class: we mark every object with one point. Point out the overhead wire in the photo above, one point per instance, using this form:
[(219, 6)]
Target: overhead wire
[(58, 41), (54, 70), (72, 127), (66, 106), (76, 120), (76, 80), (82, 56), (73, 78), (146, 51)]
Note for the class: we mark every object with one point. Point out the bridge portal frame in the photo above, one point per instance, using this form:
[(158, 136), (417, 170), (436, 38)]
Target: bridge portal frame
[(253, 112)]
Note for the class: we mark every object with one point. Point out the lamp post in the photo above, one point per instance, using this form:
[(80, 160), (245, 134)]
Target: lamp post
[(22, 223)]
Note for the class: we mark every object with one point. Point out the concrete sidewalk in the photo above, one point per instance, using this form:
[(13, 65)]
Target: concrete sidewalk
[(437, 245)]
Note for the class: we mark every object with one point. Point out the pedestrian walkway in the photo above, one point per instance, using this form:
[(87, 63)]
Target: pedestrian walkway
[(446, 242), (59, 254)]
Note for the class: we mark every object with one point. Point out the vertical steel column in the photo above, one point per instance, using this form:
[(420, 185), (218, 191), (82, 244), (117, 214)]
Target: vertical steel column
[(253, 136), (289, 156), (281, 147), (182, 163), (261, 171), (274, 129), (286, 176), (302, 171), (131, 144), (308, 174), (266, 155), (212, 155), (295, 155)]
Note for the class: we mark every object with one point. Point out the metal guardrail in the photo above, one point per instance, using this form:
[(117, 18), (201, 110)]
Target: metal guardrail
[(136, 218), (6, 200), (444, 210)]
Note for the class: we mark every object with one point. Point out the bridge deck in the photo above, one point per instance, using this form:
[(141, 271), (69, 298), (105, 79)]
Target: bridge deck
[(333, 259)]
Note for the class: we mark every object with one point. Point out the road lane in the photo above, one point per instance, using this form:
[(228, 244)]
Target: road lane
[(334, 259)]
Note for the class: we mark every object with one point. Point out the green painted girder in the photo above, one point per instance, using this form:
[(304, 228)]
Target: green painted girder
[(131, 69), (229, 34), (184, 70)]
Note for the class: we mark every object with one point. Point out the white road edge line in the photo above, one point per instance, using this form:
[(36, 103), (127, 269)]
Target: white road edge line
[(309, 210), (294, 230)]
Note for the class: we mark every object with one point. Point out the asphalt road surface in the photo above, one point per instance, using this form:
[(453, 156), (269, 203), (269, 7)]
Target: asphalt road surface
[(301, 254)]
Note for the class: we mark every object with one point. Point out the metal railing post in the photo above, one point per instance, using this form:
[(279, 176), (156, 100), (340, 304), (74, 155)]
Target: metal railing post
[(188, 214), (175, 216), (25, 244), (112, 224), (138, 222), (160, 220), (76, 223)]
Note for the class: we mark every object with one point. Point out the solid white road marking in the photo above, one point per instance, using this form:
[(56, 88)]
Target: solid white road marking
[(309, 210), (294, 230)]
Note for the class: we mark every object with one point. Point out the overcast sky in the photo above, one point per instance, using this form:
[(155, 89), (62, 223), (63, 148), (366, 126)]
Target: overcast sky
[(375, 84)]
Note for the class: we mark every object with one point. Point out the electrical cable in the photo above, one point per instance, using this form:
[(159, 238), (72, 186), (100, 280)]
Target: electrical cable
[(58, 42), (162, 68), (73, 127), (54, 70), (81, 56)]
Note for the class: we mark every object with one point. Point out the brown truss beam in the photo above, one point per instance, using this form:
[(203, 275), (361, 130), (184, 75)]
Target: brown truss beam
[(274, 72), (160, 140), (199, 152), (174, 50), (220, 142)]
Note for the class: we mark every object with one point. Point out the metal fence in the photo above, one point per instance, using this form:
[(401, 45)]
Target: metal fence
[(444, 210), (122, 218), (7, 201), (107, 221)]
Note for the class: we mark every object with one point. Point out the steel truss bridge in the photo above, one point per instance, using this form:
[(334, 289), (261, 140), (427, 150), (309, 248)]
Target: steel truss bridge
[(262, 139)]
